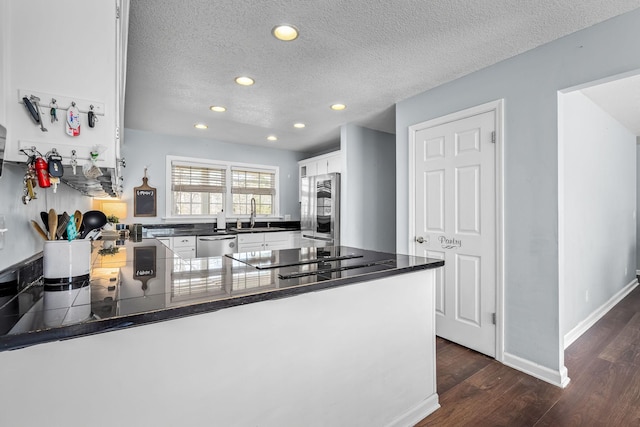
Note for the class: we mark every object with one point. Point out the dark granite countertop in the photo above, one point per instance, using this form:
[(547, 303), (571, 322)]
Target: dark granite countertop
[(210, 229), (133, 283)]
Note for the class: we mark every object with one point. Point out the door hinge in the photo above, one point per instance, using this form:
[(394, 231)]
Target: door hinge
[(117, 133), (493, 136), (493, 318), (117, 12)]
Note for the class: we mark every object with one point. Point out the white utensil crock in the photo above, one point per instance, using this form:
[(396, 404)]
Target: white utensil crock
[(67, 290)]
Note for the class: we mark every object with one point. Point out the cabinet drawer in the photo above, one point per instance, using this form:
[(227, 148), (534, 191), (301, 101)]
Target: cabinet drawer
[(283, 236), (185, 252), (180, 242), (251, 238), (250, 247)]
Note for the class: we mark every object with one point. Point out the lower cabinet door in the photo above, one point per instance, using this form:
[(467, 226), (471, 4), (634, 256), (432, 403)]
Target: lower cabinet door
[(185, 252), (250, 247)]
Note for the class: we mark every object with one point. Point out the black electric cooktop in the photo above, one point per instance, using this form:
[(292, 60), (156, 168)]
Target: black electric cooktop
[(293, 257), (302, 262)]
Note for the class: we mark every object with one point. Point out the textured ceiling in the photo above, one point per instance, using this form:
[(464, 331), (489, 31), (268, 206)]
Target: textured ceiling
[(367, 54)]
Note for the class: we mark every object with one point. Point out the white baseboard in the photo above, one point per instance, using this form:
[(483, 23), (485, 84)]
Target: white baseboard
[(583, 326), (558, 378), (416, 414)]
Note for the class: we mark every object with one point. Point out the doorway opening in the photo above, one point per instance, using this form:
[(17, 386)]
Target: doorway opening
[(598, 133)]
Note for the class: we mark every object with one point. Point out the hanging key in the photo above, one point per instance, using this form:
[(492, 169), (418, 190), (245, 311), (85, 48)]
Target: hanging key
[(28, 193), (91, 117), (25, 190), (54, 162), (74, 161), (54, 110), (54, 180)]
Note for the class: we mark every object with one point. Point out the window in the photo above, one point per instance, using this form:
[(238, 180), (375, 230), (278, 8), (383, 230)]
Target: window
[(199, 188), (253, 184)]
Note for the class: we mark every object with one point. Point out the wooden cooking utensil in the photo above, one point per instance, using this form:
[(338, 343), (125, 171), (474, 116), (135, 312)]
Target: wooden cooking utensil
[(77, 217), (53, 224), (39, 229)]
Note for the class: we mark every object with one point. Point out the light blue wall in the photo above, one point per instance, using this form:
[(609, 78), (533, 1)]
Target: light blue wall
[(529, 84), (368, 214), (146, 149), (598, 205)]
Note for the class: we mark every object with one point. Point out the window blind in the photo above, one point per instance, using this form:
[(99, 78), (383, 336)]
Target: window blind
[(198, 179), (246, 181)]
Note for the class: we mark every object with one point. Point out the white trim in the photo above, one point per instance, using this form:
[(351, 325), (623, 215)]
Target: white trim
[(416, 414), (557, 378), (561, 230), (637, 272), (229, 166), (498, 107), (597, 314)]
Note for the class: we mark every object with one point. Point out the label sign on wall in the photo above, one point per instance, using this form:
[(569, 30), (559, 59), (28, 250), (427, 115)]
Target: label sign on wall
[(449, 243), (144, 199)]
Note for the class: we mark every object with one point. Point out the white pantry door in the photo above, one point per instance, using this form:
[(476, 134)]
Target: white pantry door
[(455, 220)]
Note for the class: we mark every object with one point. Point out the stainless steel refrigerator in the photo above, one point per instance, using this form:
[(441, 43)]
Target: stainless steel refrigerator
[(320, 210)]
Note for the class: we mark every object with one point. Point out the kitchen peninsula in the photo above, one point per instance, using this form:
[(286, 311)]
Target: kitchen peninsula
[(310, 336)]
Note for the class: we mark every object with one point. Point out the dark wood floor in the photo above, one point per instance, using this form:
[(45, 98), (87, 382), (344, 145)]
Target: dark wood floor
[(604, 368)]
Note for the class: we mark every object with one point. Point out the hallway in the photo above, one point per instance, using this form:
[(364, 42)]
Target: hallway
[(603, 364)]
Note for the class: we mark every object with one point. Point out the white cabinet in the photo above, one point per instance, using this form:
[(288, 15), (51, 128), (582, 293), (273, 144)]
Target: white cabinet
[(165, 241), (69, 51), (184, 246), (297, 239), (280, 240), (320, 165), (3, 107), (255, 242), (251, 242)]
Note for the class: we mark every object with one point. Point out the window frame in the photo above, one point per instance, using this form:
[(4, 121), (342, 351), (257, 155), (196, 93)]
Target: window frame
[(228, 196)]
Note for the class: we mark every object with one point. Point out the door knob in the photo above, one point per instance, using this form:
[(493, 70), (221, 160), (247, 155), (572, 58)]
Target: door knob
[(420, 239)]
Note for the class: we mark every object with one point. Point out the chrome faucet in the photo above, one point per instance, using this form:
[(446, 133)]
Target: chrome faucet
[(253, 213)]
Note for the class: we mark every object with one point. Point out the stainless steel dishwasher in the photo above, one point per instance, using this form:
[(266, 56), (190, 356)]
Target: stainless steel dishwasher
[(207, 246)]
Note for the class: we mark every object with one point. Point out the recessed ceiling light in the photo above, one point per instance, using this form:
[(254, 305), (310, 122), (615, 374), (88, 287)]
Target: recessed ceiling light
[(272, 138), (218, 108), (244, 81), (285, 32), (200, 126), (299, 125), (338, 107)]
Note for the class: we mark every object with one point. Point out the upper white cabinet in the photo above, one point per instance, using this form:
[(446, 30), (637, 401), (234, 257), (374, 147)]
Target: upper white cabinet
[(320, 165), (3, 72), (71, 52)]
